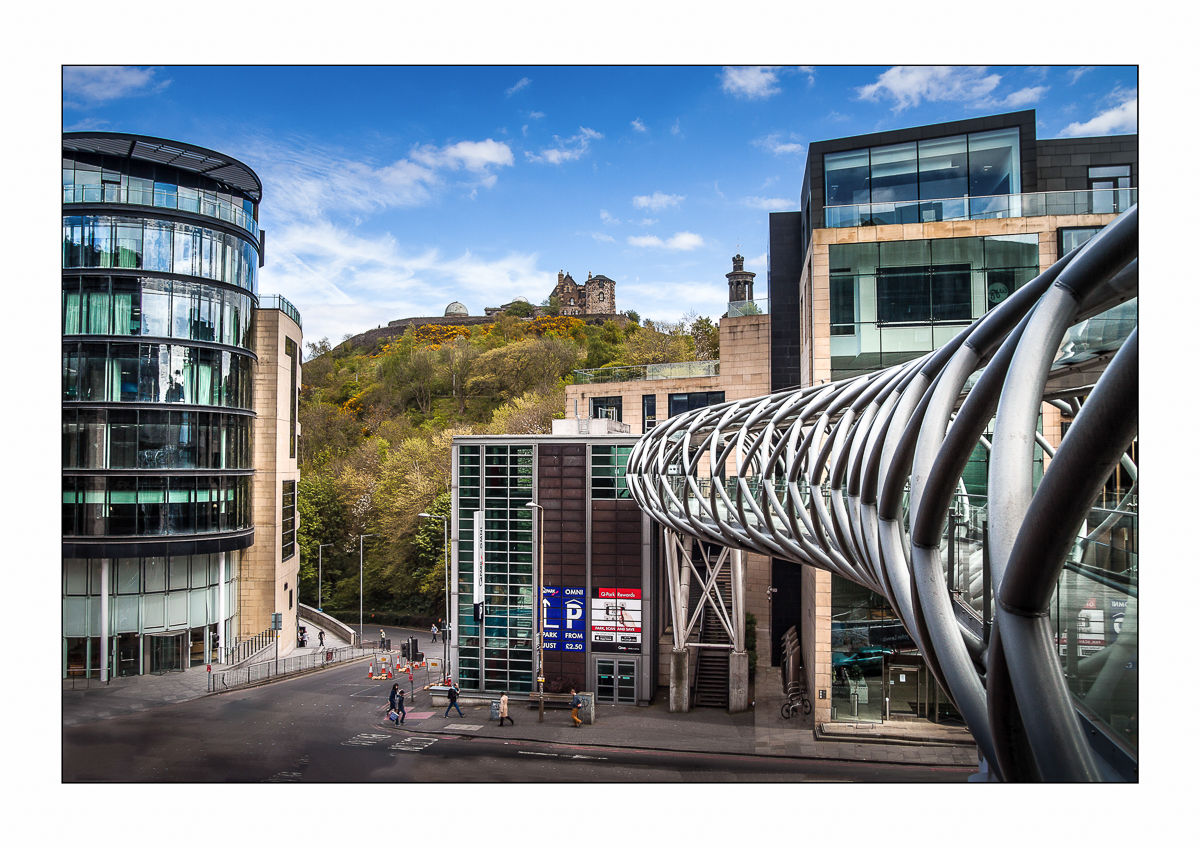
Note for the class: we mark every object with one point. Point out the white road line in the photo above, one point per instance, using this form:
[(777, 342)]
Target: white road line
[(365, 739)]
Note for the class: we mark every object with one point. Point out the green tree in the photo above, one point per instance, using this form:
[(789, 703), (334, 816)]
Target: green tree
[(707, 337), (520, 309)]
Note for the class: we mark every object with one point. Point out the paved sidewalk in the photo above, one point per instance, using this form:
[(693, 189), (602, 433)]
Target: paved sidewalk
[(93, 701)]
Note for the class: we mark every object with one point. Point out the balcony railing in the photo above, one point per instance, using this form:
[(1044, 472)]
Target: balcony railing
[(662, 371), (738, 308), (200, 202), (274, 301), (1097, 202)]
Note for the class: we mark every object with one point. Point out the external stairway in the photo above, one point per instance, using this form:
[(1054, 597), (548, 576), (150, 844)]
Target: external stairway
[(711, 688)]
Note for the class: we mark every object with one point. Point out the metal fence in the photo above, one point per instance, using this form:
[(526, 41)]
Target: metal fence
[(219, 681), (247, 648)]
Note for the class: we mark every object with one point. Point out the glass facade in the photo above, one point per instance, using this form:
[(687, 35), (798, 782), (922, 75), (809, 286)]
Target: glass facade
[(498, 653), (287, 525), (151, 306), (680, 402), (956, 177), (111, 372), (155, 438), (87, 180), (171, 247), (890, 302), (609, 464), (151, 507)]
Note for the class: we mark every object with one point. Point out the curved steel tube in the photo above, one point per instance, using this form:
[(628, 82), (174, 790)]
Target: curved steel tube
[(857, 478)]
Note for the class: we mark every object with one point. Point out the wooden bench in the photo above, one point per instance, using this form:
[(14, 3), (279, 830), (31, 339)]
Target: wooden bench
[(551, 699)]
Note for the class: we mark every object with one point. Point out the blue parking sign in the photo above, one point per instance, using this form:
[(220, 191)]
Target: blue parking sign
[(565, 614)]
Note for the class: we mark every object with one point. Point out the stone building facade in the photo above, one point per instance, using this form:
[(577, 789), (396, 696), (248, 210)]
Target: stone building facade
[(597, 296)]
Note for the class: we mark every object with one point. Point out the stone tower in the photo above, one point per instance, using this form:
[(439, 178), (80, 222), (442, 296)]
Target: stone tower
[(597, 296), (741, 283)]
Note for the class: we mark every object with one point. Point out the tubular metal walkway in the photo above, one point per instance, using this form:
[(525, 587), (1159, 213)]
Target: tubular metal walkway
[(863, 476)]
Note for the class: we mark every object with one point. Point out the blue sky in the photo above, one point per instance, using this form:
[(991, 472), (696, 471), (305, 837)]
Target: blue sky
[(390, 191)]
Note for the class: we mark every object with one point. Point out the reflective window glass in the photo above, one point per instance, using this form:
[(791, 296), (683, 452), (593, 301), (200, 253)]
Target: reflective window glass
[(995, 162), (157, 241), (943, 167), (847, 178), (894, 173)]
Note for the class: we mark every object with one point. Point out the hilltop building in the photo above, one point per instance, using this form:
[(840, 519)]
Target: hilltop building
[(597, 296)]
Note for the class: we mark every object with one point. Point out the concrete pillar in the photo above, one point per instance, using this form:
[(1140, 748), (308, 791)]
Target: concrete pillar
[(679, 681), (739, 681), (222, 612), (104, 627)]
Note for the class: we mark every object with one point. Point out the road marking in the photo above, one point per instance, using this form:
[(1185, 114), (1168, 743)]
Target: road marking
[(463, 726), (415, 743), (585, 757), (365, 739), (537, 753)]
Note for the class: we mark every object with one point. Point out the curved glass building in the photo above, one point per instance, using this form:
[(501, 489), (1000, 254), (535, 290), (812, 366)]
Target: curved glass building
[(160, 259)]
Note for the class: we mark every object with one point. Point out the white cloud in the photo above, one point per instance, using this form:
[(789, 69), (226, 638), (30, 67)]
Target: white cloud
[(679, 241), (1026, 96), (758, 262), (770, 204), (753, 83), (770, 181), (603, 237), (525, 129), (810, 71), (658, 201), (647, 222), (1118, 120), (575, 147), (87, 124), (607, 218), (1076, 73), (90, 86), (637, 124), (521, 83), (537, 116), (775, 144), (472, 155), (908, 86), (675, 127)]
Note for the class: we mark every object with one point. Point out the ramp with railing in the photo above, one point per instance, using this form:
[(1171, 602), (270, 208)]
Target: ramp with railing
[(864, 478)]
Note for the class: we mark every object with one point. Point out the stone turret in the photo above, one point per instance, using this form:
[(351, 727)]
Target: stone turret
[(741, 283)]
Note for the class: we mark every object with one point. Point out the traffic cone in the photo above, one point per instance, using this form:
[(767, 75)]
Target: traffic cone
[(370, 671), (388, 669)]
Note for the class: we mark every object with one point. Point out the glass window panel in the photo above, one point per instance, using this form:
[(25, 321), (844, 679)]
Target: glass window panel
[(182, 260), (1020, 250), (129, 576), (894, 173), (72, 312), (847, 178), (156, 307), (122, 505), (957, 251), (904, 253), (183, 306), (903, 295), (122, 438), (128, 245), (854, 258), (995, 162), (943, 168), (76, 576), (178, 573), (1108, 171), (157, 242), (92, 372), (950, 291)]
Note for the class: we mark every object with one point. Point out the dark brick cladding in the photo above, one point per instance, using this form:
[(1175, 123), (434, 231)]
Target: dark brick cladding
[(783, 284), (1062, 163), (561, 478), (616, 544)]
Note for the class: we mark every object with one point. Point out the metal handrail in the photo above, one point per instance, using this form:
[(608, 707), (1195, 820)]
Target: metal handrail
[(275, 301), (656, 371), (244, 649), (1026, 205), (234, 678), (201, 205)]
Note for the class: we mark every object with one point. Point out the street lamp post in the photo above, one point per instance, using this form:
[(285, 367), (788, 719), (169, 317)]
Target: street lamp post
[(446, 556), (360, 585), (541, 677), (320, 548)]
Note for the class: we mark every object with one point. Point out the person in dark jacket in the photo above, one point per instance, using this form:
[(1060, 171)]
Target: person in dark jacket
[(396, 703), (452, 694), (576, 703)]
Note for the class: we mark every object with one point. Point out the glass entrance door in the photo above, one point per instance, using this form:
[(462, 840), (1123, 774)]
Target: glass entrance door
[(616, 681), (166, 653)]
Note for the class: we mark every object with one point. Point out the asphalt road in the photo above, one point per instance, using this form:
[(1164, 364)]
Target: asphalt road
[(327, 727)]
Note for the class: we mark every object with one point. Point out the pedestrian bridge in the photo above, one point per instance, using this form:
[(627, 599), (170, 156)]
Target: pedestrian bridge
[(864, 478)]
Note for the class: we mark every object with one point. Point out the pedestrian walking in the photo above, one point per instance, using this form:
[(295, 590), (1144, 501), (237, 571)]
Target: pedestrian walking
[(504, 709), (382, 637), (452, 694), (321, 638), (396, 704), (433, 630), (576, 703)]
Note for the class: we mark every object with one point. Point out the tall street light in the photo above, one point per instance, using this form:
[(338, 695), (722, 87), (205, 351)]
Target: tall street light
[(360, 585), (446, 555), (541, 677), (320, 548)]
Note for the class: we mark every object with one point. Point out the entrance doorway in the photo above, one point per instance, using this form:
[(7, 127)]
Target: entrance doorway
[(166, 653), (616, 681)]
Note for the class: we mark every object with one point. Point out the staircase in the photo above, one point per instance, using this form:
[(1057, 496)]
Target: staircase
[(711, 688)]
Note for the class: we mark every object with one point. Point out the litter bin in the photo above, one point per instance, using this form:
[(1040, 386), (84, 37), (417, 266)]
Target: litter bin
[(495, 710)]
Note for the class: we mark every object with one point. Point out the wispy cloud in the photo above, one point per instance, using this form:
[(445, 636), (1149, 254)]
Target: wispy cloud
[(752, 83), (472, 155), (759, 262), (637, 124), (837, 117), (607, 218), (647, 222), (602, 237), (566, 149), (537, 116), (658, 201), (1076, 73), (520, 84), (1025, 97), (87, 124), (908, 86), (1117, 120), (774, 143), (769, 204), (90, 86), (675, 127), (679, 241), (810, 72)]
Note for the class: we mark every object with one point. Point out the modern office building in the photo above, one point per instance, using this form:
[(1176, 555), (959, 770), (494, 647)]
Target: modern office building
[(164, 397), (586, 543), (902, 238)]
